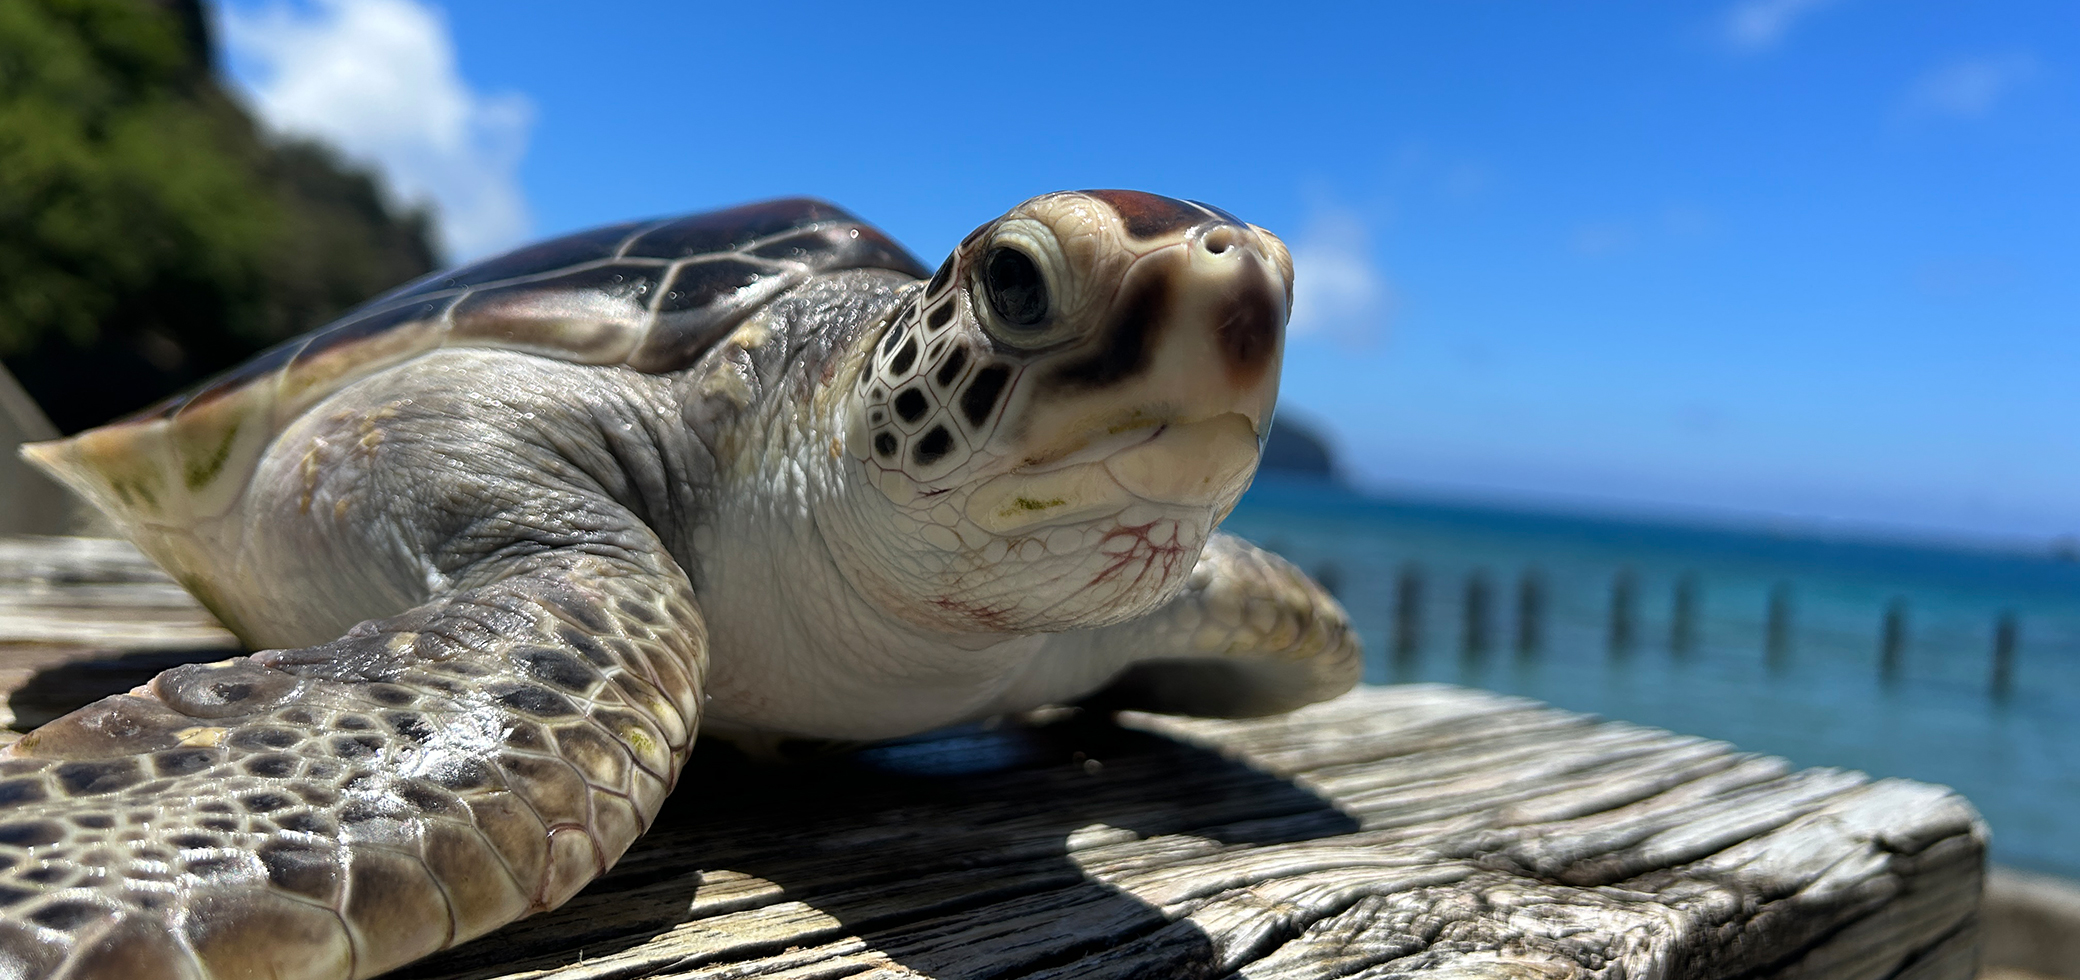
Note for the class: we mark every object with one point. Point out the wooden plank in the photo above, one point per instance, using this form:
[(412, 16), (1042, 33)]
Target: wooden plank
[(97, 592), (1173, 847), (81, 618), (1408, 831)]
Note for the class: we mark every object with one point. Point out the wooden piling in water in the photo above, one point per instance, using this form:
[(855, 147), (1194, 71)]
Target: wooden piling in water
[(2004, 639), (1408, 614), (1892, 639), (1777, 629), (1479, 612), (1531, 611), (1682, 618), (1623, 589)]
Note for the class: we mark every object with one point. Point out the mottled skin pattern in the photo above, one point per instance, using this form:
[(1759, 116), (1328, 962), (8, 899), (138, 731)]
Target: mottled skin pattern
[(367, 802), (504, 589)]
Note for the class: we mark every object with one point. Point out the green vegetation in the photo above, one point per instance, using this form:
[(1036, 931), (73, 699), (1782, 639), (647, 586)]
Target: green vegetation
[(150, 234)]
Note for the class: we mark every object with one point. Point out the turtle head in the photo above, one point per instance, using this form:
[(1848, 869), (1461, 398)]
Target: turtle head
[(1062, 414)]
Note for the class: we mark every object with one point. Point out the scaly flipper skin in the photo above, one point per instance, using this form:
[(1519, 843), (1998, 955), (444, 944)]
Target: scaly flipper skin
[(1250, 635), (339, 810)]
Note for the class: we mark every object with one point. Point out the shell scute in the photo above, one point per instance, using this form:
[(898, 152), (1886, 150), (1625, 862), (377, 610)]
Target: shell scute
[(840, 246), (733, 228), (704, 301), (219, 433), (232, 382), (216, 442), (243, 377), (796, 248), (595, 315), (700, 284), (592, 245), (356, 348), (701, 304)]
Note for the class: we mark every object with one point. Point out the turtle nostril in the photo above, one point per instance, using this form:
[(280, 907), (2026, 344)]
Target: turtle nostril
[(1221, 238)]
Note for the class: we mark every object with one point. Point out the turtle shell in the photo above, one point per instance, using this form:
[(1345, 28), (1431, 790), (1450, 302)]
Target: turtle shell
[(650, 295)]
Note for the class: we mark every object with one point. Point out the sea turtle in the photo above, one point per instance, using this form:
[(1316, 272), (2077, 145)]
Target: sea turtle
[(507, 535)]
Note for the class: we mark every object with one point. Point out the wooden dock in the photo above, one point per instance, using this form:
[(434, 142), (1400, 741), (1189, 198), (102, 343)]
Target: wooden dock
[(1418, 831)]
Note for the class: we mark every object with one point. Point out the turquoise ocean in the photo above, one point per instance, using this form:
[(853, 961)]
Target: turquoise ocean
[(1816, 689)]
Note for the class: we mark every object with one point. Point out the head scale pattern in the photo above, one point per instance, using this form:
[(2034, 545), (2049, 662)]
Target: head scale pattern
[(933, 395)]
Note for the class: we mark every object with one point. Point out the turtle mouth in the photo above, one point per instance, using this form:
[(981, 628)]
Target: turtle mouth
[(1189, 465), (1127, 433)]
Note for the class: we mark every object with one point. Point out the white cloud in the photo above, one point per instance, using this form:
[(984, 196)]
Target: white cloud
[(1969, 88), (1337, 290), (1757, 25), (378, 80)]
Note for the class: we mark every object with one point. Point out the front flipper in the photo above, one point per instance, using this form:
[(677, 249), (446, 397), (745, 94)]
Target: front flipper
[(1251, 635), (339, 810)]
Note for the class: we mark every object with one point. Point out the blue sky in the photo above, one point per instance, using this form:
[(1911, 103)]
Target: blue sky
[(1795, 262)]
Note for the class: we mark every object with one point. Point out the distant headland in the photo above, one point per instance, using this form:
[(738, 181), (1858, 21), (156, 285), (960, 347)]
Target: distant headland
[(1297, 449)]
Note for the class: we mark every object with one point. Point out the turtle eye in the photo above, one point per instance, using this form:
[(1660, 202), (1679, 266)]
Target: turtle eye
[(1017, 291)]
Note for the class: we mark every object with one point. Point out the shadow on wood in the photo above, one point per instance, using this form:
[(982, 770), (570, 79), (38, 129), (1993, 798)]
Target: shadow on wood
[(1421, 830), (950, 856), (69, 682)]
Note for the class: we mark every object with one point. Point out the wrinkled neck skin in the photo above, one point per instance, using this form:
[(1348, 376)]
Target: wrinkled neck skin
[(800, 649)]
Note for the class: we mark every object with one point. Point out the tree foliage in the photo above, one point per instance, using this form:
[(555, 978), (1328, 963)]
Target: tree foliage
[(150, 234)]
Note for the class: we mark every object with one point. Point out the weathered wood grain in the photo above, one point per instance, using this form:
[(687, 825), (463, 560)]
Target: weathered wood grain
[(85, 617), (1419, 831), (97, 592)]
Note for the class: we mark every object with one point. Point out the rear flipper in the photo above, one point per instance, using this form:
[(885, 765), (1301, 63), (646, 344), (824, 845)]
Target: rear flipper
[(1251, 635), (338, 810)]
